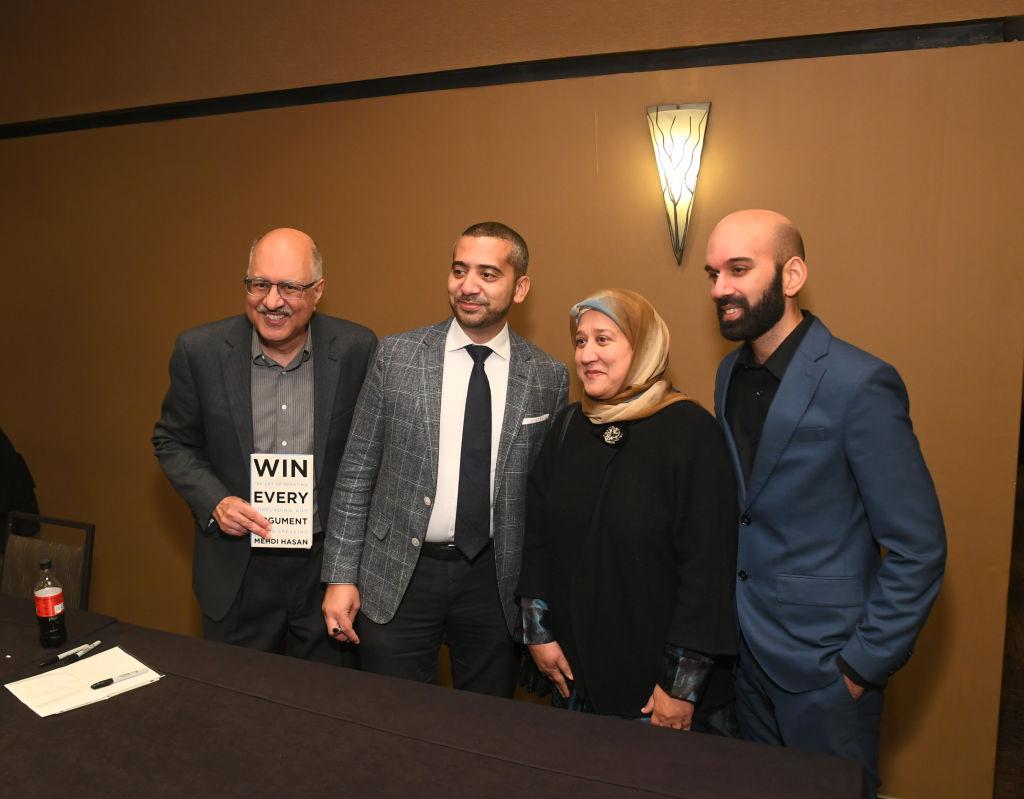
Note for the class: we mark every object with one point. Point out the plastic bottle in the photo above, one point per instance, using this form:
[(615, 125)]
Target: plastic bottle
[(50, 607)]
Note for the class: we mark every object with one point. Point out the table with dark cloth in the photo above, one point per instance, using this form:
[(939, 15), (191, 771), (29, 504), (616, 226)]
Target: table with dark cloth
[(20, 651), (227, 721)]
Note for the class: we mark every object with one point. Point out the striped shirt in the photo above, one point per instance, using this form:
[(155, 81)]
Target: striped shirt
[(282, 406)]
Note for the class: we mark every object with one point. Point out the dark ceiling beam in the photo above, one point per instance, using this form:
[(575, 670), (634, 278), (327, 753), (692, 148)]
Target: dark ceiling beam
[(953, 34)]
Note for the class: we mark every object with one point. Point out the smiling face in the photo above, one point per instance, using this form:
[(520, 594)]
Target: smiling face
[(754, 280), (603, 355), (739, 319), (482, 286), (283, 256)]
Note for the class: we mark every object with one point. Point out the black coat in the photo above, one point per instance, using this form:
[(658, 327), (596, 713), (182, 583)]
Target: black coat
[(633, 546)]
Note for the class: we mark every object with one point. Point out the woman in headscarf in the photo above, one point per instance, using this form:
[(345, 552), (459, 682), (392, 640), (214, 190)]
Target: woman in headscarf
[(630, 553)]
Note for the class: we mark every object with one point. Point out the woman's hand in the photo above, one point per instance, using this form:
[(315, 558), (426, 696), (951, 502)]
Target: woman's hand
[(552, 664), (668, 712)]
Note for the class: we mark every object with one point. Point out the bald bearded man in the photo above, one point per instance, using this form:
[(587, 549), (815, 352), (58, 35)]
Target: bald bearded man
[(829, 472), (280, 379)]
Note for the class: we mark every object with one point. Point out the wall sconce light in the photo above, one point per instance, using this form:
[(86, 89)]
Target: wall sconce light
[(677, 133)]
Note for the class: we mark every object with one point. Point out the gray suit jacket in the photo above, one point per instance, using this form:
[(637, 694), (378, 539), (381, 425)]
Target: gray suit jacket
[(204, 437), (388, 475)]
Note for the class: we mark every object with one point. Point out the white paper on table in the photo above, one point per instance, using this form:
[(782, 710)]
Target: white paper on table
[(68, 687)]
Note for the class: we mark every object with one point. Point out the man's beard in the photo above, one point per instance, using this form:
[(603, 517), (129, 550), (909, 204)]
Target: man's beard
[(755, 320)]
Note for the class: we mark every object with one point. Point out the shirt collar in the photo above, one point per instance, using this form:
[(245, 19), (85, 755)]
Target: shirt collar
[(457, 340), (256, 351), (779, 360)]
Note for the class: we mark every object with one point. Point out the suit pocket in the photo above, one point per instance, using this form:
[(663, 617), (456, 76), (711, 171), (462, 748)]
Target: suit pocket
[(808, 434), (830, 592)]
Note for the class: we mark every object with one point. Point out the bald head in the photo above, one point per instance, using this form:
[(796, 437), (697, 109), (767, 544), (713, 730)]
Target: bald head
[(761, 231), (288, 244)]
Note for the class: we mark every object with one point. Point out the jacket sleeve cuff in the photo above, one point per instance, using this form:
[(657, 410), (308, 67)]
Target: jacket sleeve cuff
[(684, 673), (533, 626), (855, 678)]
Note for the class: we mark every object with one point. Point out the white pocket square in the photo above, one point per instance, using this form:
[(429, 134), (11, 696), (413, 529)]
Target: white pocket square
[(535, 419)]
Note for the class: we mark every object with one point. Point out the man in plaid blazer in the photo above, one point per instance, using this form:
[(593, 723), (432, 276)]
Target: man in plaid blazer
[(393, 548)]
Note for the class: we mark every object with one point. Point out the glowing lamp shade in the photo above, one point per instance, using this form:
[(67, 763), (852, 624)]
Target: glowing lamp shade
[(677, 133)]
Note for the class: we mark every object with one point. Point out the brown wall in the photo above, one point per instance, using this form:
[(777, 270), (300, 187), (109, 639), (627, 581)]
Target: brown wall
[(71, 58), (898, 167)]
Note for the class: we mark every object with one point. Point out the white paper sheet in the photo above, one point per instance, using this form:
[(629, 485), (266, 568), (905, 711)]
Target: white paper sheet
[(68, 687)]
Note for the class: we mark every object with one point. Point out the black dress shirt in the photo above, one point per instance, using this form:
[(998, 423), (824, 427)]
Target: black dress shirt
[(752, 389)]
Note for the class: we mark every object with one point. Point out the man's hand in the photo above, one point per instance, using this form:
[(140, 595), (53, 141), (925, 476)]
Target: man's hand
[(341, 604), (235, 516), (666, 711), (552, 664), (856, 691)]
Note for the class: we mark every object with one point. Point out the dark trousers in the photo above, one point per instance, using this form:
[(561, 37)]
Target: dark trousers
[(825, 719), (277, 608), (453, 601)]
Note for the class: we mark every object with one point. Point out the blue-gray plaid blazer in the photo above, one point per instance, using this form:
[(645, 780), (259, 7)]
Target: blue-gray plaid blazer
[(384, 493)]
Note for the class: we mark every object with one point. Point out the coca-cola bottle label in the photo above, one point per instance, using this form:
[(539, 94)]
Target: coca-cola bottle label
[(49, 602)]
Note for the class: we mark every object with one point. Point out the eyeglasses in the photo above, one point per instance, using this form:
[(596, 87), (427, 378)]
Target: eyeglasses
[(258, 287)]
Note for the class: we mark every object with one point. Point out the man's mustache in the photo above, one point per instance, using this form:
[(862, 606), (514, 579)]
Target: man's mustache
[(739, 302), (284, 310)]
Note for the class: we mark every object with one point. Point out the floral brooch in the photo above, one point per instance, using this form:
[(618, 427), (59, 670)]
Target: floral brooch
[(612, 435)]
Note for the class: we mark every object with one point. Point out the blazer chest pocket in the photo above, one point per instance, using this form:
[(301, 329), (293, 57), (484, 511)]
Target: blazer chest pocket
[(535, 427), (804, 435), (830, 592)]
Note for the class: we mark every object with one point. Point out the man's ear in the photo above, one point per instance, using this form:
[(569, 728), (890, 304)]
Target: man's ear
[(794, 275), (522, 289)]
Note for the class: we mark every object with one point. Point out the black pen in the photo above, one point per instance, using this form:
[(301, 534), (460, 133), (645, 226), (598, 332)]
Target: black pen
[(65, 655), (118, 678)]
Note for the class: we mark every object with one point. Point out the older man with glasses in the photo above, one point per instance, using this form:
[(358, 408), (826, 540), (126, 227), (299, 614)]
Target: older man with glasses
[(280, 380)]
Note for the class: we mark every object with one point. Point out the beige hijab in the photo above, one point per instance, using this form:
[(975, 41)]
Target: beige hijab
[(645, 391)]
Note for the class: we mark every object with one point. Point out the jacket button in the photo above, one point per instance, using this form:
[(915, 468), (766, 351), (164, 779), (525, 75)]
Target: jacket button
[(426, 501), (744, 520), (742, 574), (415, 542)]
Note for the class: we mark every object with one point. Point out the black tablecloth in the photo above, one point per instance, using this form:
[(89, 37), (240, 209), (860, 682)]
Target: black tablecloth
[(20, 651), (227, 721)]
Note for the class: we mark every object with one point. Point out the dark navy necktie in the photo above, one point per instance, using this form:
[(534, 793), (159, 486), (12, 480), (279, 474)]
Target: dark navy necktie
[(473, 513)]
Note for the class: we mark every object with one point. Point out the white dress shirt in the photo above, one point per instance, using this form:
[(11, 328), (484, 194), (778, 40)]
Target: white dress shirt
[(458, 365)]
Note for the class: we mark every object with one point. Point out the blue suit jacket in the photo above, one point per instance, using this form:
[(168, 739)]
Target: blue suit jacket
[(838, 474)]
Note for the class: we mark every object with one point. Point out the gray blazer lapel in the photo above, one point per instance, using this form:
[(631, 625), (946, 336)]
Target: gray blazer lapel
[(722, 383), (787, 409), (326, 373), (520, 377), (237, 369), (432, 372)]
